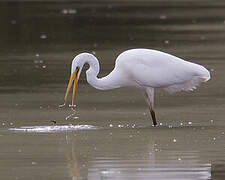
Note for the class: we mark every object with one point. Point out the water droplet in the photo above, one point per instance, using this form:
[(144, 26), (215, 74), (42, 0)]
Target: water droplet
[(181, 124), (110, 125), (160, 124), (166, 41), (62, 105), (211, 120), (11, 123), (130, 136), (174, 140), (163, 16), (37, 55), (38, 61), (72, 11), (69, 116), (13, 21), (95, 45), (3, 124), (202, 37), (179, 159), (120, 126), (44, 66), (214, 138), (64, 11), (72, 105), (189, 123), (43, 36)]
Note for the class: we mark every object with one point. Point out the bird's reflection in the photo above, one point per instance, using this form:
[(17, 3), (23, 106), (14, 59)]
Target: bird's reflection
[(73, 166), (126, 154)]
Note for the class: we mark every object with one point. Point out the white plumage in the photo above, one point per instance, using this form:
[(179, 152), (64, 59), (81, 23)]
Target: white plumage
[(156, 69), (145, 69)]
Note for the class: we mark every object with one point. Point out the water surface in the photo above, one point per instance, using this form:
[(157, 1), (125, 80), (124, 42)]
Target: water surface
[(109, 134)]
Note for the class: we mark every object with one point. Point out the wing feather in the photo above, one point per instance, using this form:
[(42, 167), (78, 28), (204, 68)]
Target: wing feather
[(161, 70), (186, 86)]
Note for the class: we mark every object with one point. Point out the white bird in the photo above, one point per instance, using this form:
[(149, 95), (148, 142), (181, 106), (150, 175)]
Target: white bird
[(144, 69)]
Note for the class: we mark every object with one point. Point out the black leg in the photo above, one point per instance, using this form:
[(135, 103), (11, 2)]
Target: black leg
[(153, 117)]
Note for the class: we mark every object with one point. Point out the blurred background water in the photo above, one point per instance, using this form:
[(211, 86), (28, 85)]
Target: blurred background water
[(109, 135)]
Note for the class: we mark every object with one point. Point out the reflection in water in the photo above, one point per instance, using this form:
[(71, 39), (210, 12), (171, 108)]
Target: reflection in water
[(114, 153), (114, 170), (136, 159), (73, 165)]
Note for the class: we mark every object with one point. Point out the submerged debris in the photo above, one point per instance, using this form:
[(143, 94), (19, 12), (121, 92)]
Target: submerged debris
[(53, 121)]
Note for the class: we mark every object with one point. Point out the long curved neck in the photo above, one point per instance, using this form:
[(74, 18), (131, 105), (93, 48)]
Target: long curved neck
[(105, 83)]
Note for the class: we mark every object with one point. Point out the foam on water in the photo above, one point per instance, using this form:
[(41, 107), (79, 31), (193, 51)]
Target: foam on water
[(43, 129)]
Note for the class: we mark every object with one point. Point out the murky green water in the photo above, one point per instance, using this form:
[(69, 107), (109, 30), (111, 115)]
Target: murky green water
[(109, 135)]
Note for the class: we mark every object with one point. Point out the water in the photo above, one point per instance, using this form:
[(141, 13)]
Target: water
[(109, 135)]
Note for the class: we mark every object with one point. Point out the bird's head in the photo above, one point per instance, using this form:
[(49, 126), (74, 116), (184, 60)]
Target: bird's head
[(76, 68)]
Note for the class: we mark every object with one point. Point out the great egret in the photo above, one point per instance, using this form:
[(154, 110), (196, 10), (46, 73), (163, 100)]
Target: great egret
[(144, 69)]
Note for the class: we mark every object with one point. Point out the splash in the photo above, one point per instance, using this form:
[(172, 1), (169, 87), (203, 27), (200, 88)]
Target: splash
[(71, 115), (62, 105), (46, 129), (72, 106), (73, 112)]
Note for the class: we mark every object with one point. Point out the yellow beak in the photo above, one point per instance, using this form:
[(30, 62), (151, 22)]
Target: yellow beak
[(73, 77)]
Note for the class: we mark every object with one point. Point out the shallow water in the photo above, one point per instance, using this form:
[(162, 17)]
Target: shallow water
[(109, 134)]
